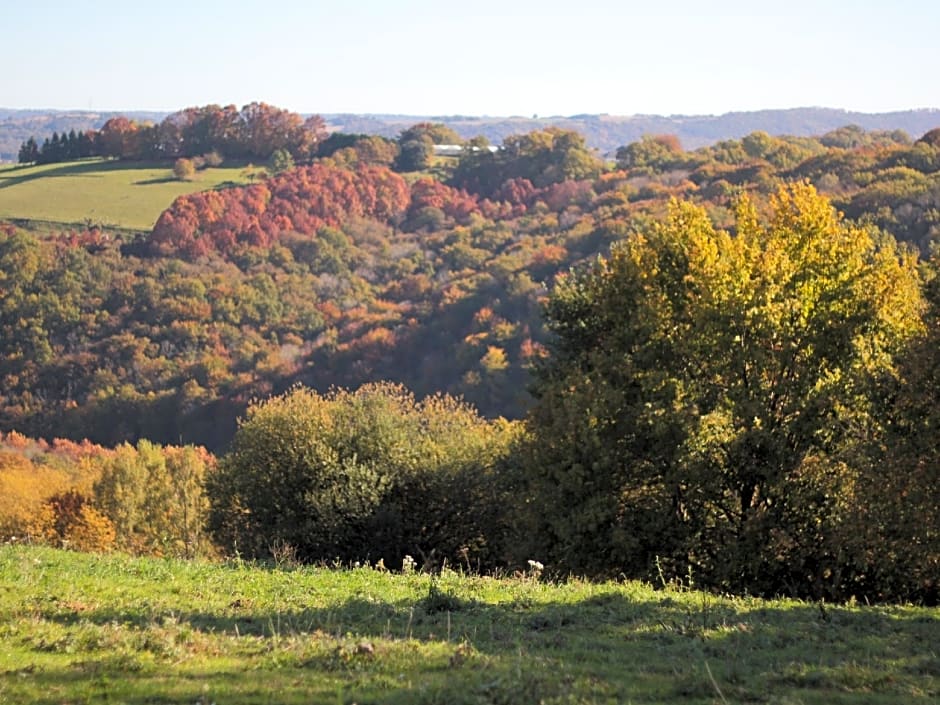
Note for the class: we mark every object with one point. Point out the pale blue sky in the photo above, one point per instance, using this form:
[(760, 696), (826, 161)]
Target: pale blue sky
[(483, 57)]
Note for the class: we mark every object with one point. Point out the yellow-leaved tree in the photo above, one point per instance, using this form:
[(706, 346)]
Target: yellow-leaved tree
[(709, 396)]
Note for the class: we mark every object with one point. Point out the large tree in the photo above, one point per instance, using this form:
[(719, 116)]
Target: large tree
[(706, 390), (544, 157)]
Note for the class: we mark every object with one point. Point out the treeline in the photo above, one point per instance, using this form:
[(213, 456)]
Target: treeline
[(254, 132)]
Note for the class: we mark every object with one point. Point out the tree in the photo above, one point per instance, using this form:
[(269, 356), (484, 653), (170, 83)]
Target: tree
[(154, 497), (118, 138), (437, 132), (705, 392), (184, 169), (900, 522), (280, 161), (657, 153), (414, 154), (29, 152), (543, 157)]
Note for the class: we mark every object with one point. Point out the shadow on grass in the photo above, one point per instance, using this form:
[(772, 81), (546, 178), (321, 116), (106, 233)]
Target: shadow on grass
[(160, 180), (88, 169), (668, 648)]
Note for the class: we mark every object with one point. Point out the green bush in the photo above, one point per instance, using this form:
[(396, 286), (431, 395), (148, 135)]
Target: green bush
[(364, 475)]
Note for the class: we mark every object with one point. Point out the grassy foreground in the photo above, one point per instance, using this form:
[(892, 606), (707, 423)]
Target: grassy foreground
[(87, 629), (109, 193)]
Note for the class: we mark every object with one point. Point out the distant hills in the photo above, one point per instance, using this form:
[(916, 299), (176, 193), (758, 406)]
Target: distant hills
[(608, 132), (603, 132)]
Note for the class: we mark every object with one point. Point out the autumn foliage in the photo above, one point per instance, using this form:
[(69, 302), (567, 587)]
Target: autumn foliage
[(143, 499), (297, 201)]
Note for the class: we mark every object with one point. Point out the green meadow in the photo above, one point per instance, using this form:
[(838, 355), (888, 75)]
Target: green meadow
[(79, 628), (108, 193)]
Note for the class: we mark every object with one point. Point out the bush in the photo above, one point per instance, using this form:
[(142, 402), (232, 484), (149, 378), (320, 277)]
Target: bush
[(213, 159), (280, 161), (361, 475), (184, 169)]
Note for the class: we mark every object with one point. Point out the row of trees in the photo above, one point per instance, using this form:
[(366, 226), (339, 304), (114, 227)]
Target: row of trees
[(141, 499), (254, 132), (67, 147)]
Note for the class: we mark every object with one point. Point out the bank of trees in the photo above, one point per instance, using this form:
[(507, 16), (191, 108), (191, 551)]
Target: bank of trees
[(143, 499), (255, 132), (755, 408), (746, 408)]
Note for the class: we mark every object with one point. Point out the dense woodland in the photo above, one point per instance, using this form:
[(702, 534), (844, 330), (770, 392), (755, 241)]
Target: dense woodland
[(724, 359)]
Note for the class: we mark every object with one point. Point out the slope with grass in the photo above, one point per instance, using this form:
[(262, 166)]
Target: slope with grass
[(82, 628), (113, 194)]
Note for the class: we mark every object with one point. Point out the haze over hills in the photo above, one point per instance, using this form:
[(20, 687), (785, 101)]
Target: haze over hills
[(608, 132), (603, 132)]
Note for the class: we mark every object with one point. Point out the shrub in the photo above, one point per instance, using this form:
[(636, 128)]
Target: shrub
[(213, 159), (360, 475), (184, 169)]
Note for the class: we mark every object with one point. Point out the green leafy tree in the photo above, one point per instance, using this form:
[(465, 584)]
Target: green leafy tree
[(705, 391), (416, 145), (280, 161), (544, 157), (154, 497), (657, 153), (414, 154), (899, 523)]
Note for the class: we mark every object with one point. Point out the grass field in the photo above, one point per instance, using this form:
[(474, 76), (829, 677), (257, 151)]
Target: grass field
[(108, 193), (84, 629)]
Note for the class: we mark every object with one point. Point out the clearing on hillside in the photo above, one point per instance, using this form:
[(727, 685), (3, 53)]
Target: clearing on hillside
[(107, 193)]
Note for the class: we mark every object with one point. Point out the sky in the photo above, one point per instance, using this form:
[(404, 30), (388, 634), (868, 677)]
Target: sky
[(476, 57)]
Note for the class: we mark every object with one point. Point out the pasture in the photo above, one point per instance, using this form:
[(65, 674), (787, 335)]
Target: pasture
[(89, 629), (106, 193)]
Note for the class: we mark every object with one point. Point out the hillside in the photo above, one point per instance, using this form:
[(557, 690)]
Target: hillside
[(535, 282), (93, 628)]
